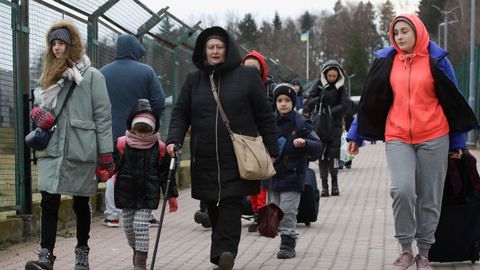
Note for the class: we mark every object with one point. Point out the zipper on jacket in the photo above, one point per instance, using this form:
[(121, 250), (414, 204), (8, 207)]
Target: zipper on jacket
[(216, 147), (409, 99), (194, 148)]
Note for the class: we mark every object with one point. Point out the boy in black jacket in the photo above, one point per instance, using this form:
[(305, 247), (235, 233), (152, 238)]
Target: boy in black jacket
[(296, 141)]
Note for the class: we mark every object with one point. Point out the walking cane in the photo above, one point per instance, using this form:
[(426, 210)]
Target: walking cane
[(171, 172)]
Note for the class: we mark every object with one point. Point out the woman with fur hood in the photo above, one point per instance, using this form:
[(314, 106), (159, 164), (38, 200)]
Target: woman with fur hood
[(82, 136), (328, 99)]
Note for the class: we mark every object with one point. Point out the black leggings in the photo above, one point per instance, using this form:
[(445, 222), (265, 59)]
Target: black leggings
[(50, 204)]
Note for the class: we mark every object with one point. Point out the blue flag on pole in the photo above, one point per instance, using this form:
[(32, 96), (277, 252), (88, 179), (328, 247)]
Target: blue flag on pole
[(304, 36)]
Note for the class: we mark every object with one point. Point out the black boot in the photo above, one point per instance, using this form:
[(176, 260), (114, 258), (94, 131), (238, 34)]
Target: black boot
[(201, 217), (287, 247), (81, 258), (335, 191), (254, 226), (140, 260), (45, 261), (324, 187)]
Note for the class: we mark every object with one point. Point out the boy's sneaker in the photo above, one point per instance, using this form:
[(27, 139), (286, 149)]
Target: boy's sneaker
[(45, 261), (81, 258), (422, 263), (404, 261), (111, 223), (153, 222)]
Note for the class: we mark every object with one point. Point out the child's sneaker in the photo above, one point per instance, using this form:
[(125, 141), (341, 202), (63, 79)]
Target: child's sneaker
[(422, 263), (111, 223), (404, 261)]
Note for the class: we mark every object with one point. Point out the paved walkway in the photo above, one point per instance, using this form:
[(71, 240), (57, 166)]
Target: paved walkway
[(354, 231)]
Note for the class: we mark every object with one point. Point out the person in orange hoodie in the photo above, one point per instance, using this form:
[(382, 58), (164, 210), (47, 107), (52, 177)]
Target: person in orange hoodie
[(411, 101), (256, 60)]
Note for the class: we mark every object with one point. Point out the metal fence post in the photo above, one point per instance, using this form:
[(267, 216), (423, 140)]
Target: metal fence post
[(23, 178)]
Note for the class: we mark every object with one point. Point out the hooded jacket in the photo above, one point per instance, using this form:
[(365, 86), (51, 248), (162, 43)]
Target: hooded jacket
[(214, 168), (292, 163), (332, 97), (67, 165), (140, 172), (378, 96), (129, 80), (261, 60)]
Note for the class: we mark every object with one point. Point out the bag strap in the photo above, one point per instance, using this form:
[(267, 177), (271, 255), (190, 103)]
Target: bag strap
[(219, 105), (69, 93)]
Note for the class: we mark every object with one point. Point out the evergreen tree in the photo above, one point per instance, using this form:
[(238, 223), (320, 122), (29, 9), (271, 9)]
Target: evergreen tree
[(356, 62), (277, 22), (371, 35), (306, 21), (248, 32), (387, 13), (430, 16)]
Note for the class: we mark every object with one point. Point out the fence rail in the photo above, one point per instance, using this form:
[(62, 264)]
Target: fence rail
[(168, 41)]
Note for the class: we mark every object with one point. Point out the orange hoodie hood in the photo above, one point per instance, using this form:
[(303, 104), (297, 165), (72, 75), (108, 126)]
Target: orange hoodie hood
[(263, 65), (422, 38)]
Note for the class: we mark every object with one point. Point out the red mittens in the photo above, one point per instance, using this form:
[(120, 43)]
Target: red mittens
[(172, 204), (106, 167), (42, 118)]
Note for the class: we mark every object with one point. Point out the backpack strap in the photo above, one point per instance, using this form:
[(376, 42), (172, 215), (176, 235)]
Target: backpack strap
[(122, 142), (162, 150)]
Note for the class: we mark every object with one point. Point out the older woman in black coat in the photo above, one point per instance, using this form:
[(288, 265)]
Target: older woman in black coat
[(214, 171)]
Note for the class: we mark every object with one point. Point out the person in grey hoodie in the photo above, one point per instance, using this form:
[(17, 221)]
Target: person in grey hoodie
[(128, 80)]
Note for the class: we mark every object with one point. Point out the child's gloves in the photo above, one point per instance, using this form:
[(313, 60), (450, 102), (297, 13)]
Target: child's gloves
[(101, 174), (106, 164), (42, 118), (172, 204)]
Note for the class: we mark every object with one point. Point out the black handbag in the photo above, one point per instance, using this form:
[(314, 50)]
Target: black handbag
[(39, 138)]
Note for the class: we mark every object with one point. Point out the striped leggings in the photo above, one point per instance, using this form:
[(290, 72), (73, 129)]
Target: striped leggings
[(135, 225)]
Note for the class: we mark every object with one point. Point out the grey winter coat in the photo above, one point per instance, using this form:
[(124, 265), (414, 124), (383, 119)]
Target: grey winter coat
[(84, 130)]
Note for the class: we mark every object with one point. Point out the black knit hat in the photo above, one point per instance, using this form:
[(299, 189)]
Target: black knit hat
[(285, 89), (60, 34)]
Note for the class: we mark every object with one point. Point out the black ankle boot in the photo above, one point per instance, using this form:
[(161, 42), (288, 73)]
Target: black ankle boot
[(287, 247), (45, 261), (324, 188), (335, 191)]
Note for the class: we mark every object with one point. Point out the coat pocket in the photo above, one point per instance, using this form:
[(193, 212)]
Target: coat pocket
[(81, 141)]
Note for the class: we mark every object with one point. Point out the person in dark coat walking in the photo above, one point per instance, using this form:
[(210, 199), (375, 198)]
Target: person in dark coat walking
[(127, 81), (142, 173), (214, 169), (328, 101), (296, 143)]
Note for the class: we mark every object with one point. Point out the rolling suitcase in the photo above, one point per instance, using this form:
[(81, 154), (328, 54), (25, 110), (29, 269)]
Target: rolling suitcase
[(457, 237), (309, 200)]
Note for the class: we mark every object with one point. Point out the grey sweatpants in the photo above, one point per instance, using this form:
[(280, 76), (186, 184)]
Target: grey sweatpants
[(288, 201), (417, 173)]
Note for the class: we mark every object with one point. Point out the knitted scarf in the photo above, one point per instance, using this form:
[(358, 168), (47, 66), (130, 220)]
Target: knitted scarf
[(47, 98), (138, 142)]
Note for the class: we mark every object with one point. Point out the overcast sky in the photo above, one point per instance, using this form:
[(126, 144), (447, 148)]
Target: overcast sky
[(191, 11)]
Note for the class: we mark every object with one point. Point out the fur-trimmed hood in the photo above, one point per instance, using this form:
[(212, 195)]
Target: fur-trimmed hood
[(341, 74), (78, 48)]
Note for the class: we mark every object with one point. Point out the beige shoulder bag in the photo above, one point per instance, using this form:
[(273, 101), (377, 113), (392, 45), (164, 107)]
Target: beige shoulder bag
[(254, 161)]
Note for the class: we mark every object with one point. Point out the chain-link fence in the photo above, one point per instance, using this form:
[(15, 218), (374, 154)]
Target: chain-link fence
[(168, 41)]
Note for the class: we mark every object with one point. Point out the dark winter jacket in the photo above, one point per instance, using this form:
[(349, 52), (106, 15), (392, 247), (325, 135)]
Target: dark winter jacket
[(292, 162), (214, 169), (377, 98), (129, 80), (141, 172)]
